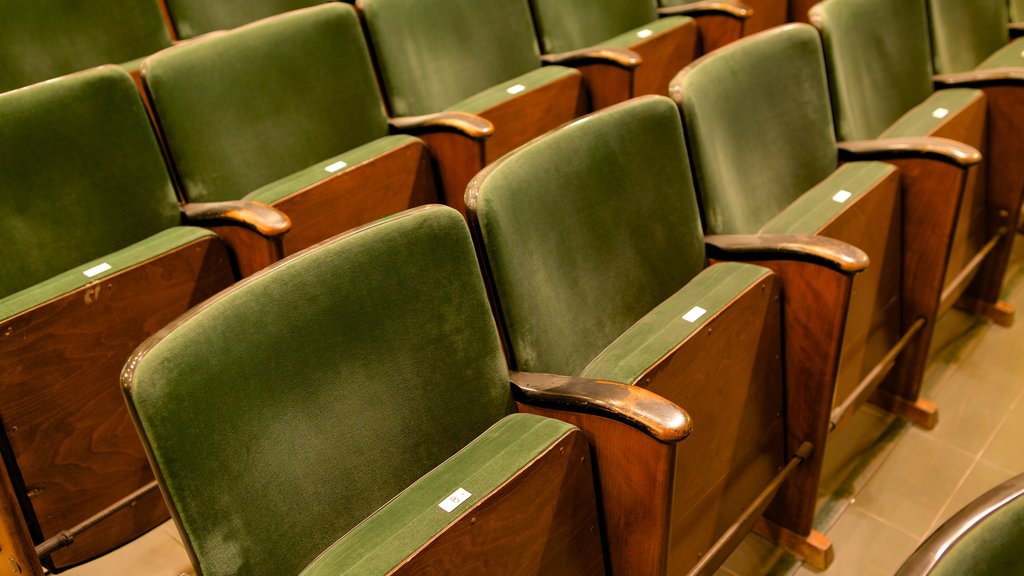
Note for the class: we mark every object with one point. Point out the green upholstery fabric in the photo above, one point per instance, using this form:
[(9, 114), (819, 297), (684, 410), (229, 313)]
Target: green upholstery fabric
[(81, 175), (759, 125), (245, 108), (878, 59), (663, 328), (1009, 56), (599, 253), (434, 53), (413, 517), (922, 119), (966, 33), (127, 257), (194, 17), (1016, 10), (565, 25), (42, 39), (315, 427), (819, 205), (493, 96), (991, 548)]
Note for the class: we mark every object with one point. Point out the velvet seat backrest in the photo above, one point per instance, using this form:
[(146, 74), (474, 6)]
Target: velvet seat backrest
[(1016, 10), (80, 175), (965, 33), (991, 547), (759, 125), (587, 229), (290, 407), (879, 61), (194, 17), (565, 25), (434, 53), (243, 108), (42, 39)]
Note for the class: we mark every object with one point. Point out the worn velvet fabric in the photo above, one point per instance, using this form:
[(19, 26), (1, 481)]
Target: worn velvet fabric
[(289, 408), (759, 125), (1016, 10), (245, 108), (927, 116), (587, 229), (81, 176), (991, 548), (42, 39), (879, 61), (194, 17), (965, 33), (1009, 56), (564, 25), (435, 53)]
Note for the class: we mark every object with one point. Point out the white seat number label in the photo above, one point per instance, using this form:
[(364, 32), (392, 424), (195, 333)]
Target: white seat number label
[(97, 269), (645, 33), (841, 196), (335, 167), (515, 89), (452, 502), (940, 113), (694, 314)]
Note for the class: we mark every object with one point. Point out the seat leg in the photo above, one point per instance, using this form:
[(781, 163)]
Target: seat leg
[(921, 412), (815, 548), (1001, 312)]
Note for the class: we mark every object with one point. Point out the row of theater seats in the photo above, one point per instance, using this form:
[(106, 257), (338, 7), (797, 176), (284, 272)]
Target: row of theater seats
[(593, 254)]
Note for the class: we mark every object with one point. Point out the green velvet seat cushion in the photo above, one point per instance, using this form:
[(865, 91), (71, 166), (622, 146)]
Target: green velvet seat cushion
[(81, 175), (1009, 56), (194, 17), (879, 61), (509, 89), (966, 33), (587, 229), (654, 28), (819, 205), (286, 410), (411, 519), (930, 114), (564, 25), (147, 249), (991, 547), (435, 53), (42, 39), (245, 108), (322, 170), (670, 323), (759, 126)]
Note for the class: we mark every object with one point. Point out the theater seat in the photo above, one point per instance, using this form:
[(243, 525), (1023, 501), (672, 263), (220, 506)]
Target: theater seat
[(43, 39), (877, 54), (192, 18), (472, 68), (770, 165), (1016, 11), (287, 112), (972, 35), (592, 245), (983, 539), (369, 426), (94, 260)]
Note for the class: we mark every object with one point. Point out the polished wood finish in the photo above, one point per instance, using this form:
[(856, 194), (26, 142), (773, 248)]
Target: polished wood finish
[(457, 158), (766, 14), (387, 184), (541, 521), (471, 125), (16, 553), (815, 548), (798, 10), (72, 449), (765, 248), (664, 56), (252, 231), (718, 23), (530, 114)]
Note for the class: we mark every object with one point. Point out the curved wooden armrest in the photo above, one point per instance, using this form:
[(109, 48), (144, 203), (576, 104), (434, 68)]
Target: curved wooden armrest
[(932, 148), (266, 220), (469, 124), (636, 406), (827, 252), (1016, 29), (595, 54), (697, 9), (980, 78)]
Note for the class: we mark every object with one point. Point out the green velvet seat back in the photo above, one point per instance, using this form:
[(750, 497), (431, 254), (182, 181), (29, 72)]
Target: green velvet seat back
[(247, 107), (194, 17), (759, 125), (965, 33), (42, 39), (991, 548), (81, 175), (434, 53), (1016, 10), (290, 407), (587, 229), (565, 25), (879, 61)]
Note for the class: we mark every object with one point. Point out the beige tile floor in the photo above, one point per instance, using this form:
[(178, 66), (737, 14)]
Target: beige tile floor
[(886, 486)]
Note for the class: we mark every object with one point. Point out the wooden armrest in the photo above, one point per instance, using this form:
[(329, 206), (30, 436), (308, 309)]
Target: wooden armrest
[(1016, 29), (697, 9), (596, 54), (469, 124), (636, 406), (827, 252), (931, 148), (266, 220), (980, 78)]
